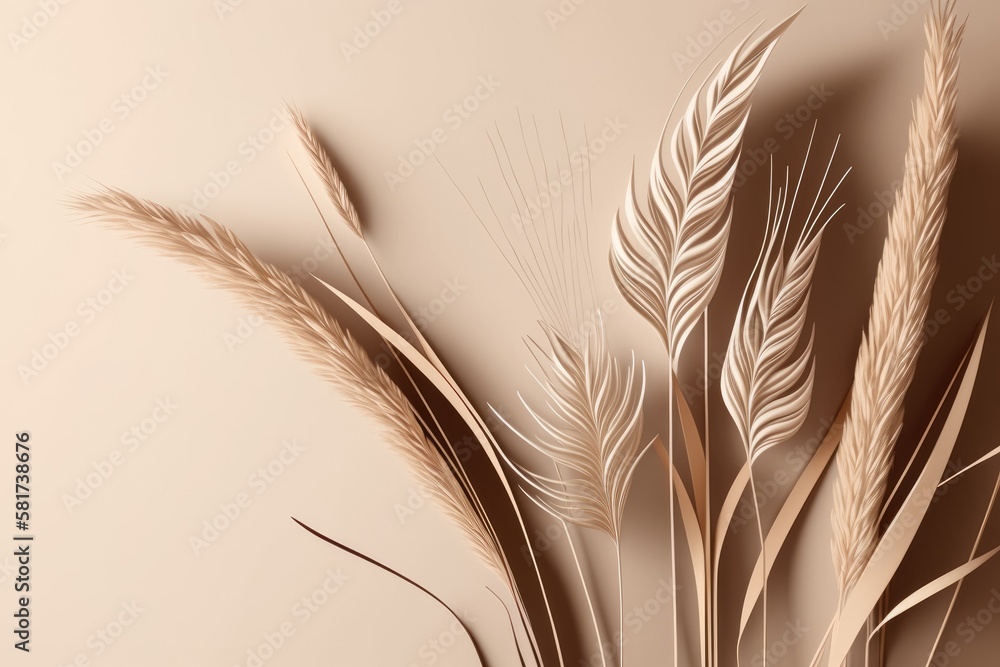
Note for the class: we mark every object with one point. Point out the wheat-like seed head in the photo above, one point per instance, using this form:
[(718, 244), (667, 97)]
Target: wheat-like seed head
[(766, 382), (226, 261), (888, 353), (670, 271), (335, 189)]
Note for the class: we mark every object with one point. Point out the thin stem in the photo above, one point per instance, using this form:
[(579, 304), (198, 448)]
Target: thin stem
[(586, 592), (822, 647), (881, 632), (958, 586), (513, 631), (457, 468), (870, 626), (670, 483), (621, 606), (763, 560), (707, 655)]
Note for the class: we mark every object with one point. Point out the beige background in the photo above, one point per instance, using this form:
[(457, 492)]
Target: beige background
[(167, 336)]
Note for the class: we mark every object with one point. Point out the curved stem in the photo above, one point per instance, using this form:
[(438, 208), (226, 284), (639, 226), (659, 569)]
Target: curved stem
[(524, 530), (445, 449), (386, 568), (513, 631)]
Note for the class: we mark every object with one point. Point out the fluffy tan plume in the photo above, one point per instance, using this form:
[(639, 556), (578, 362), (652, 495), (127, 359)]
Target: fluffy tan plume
[(889, 350), (225, 260), (335, 189)]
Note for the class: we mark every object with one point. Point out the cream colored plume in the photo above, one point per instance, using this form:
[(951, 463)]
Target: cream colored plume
[(888, 354), (766, 379), (334, 187), (670, 271), (592, 429), (219, 255)]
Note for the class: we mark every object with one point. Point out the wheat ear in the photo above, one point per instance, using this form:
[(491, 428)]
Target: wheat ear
[(335, 189), (906, 272), (226, 261)]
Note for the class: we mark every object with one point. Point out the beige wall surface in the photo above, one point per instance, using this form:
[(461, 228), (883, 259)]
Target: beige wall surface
[(159, 406)]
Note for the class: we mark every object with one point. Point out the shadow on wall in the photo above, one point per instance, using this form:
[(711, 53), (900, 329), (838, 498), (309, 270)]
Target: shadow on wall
[(780, 128)]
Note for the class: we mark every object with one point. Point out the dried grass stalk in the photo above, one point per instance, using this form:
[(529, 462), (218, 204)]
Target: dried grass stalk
[(767, 381), (335, 189), (225, 260), (888, 354)]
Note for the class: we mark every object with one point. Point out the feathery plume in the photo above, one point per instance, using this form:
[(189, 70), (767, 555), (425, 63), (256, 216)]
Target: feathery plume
[(593, 432), (226, 261), (766, 384), (669, 273), (336, 191), (888, 354)]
